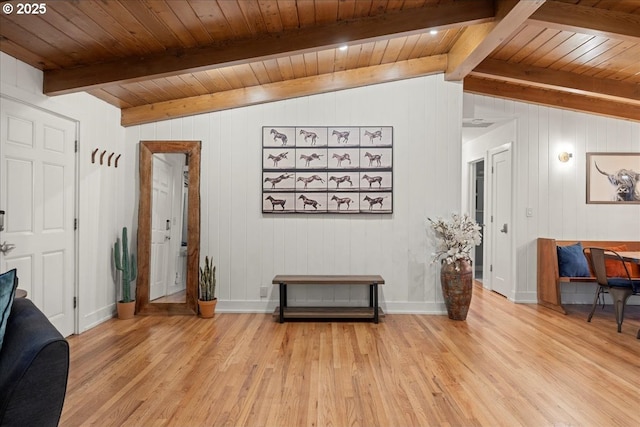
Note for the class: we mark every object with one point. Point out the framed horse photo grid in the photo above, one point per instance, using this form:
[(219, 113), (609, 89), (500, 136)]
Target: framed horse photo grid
[(613, 178), (325, 169)]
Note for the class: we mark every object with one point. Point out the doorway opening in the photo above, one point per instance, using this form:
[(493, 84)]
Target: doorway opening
[(478, 210)]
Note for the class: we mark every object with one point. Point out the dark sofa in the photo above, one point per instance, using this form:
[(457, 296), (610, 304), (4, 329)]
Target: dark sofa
[(34, 367)]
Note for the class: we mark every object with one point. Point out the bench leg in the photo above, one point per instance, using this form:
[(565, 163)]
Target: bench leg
[(283, 300), (374, 300), (371, 305)]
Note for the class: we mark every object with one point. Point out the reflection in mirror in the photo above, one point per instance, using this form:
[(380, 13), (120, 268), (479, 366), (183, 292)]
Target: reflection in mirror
[(168, 227)]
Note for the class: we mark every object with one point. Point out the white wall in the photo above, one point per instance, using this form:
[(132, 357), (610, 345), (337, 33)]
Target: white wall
[(100, 188), (555, 191), (249, 248)]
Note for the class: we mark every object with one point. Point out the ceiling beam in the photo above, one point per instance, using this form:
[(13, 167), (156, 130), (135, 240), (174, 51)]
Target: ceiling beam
[(478, 41), (269, 46), (552, 98), (614, 90), (284, 90), (587, 20)]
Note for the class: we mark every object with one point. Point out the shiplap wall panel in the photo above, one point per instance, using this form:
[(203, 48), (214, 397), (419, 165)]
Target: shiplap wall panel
[(533, 182), (249, 248), (557, 192), (254, 229)]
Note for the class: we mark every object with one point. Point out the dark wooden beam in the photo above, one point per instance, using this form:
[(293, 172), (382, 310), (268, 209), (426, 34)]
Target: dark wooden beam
[(268, 46), (478, 41), (559, 80), (283, 90), (588, 20), (552, 98)]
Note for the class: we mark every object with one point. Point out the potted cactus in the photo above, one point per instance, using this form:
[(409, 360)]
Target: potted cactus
[(207, 300), (127, 265)]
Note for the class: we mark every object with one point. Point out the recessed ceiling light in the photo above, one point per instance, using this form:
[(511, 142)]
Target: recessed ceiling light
[(343, 47), (433, 32)]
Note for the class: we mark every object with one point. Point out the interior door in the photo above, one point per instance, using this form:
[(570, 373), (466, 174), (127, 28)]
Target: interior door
[(501, 230), (478, 208), (160, 226), (37, 191)]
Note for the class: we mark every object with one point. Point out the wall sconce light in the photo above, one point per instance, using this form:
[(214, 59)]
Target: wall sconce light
[(564, 156)]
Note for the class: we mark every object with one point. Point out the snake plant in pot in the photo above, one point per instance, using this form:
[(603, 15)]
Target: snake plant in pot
[(127, 265), (207, 300)]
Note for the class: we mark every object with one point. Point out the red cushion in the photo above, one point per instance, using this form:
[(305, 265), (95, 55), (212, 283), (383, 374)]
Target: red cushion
[(615, 268)]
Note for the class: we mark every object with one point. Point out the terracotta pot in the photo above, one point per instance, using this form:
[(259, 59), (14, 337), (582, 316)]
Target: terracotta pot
[(207, 308), (456, 288), (126, 310)]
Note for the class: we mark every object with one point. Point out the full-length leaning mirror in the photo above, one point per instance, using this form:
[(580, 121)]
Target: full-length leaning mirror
[(168, 227)]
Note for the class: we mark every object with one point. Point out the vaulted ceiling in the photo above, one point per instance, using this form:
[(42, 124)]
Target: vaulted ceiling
[(159, 59)]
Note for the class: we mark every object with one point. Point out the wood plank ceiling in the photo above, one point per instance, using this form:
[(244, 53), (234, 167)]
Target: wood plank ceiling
[(159, 59)]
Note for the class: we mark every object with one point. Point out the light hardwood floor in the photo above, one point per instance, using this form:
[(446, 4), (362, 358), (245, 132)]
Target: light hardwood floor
[(507, 365), (180, 296)]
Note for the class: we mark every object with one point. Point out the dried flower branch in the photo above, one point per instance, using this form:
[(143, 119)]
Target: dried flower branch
[(455, 237)]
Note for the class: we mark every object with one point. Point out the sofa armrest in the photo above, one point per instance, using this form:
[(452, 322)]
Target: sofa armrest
[(35, 368)]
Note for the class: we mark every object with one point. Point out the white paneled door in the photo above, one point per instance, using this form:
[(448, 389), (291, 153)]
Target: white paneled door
[(160, 226), (37, 191), (501, 225)]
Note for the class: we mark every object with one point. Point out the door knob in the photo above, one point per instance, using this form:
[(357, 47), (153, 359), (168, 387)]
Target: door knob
[(504, 228), (5, 247)]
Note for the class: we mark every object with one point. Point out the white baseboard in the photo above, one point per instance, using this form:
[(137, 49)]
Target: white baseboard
[(587, 298), (93, 319), (526, 298)]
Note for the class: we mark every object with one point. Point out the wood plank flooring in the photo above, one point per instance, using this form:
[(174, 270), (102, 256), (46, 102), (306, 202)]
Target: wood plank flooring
[(507, 365)]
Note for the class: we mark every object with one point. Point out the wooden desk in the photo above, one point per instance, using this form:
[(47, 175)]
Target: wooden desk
[(630, 256), (373, 312)]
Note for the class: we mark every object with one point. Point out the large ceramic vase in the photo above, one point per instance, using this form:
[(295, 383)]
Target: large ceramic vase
[(456, 288), (207, 308)]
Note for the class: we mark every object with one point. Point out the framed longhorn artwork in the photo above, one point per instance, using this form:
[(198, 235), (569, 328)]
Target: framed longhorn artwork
[(327, 169), (613, 178)]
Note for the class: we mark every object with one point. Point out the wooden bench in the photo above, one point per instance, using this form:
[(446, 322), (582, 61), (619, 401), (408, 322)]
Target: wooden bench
[(549, 279), (373, 312)]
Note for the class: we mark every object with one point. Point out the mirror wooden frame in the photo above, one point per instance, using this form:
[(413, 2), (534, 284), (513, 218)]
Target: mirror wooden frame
[(147, 150)]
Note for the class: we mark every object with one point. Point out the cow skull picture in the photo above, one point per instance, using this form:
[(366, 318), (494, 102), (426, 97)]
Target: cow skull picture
[(625, 182)]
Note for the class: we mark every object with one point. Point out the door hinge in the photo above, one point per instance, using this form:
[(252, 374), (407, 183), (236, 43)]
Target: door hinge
[(491, 218), (491, 169), (75, 223), (75, 302), (76, 146), (491, 267)]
